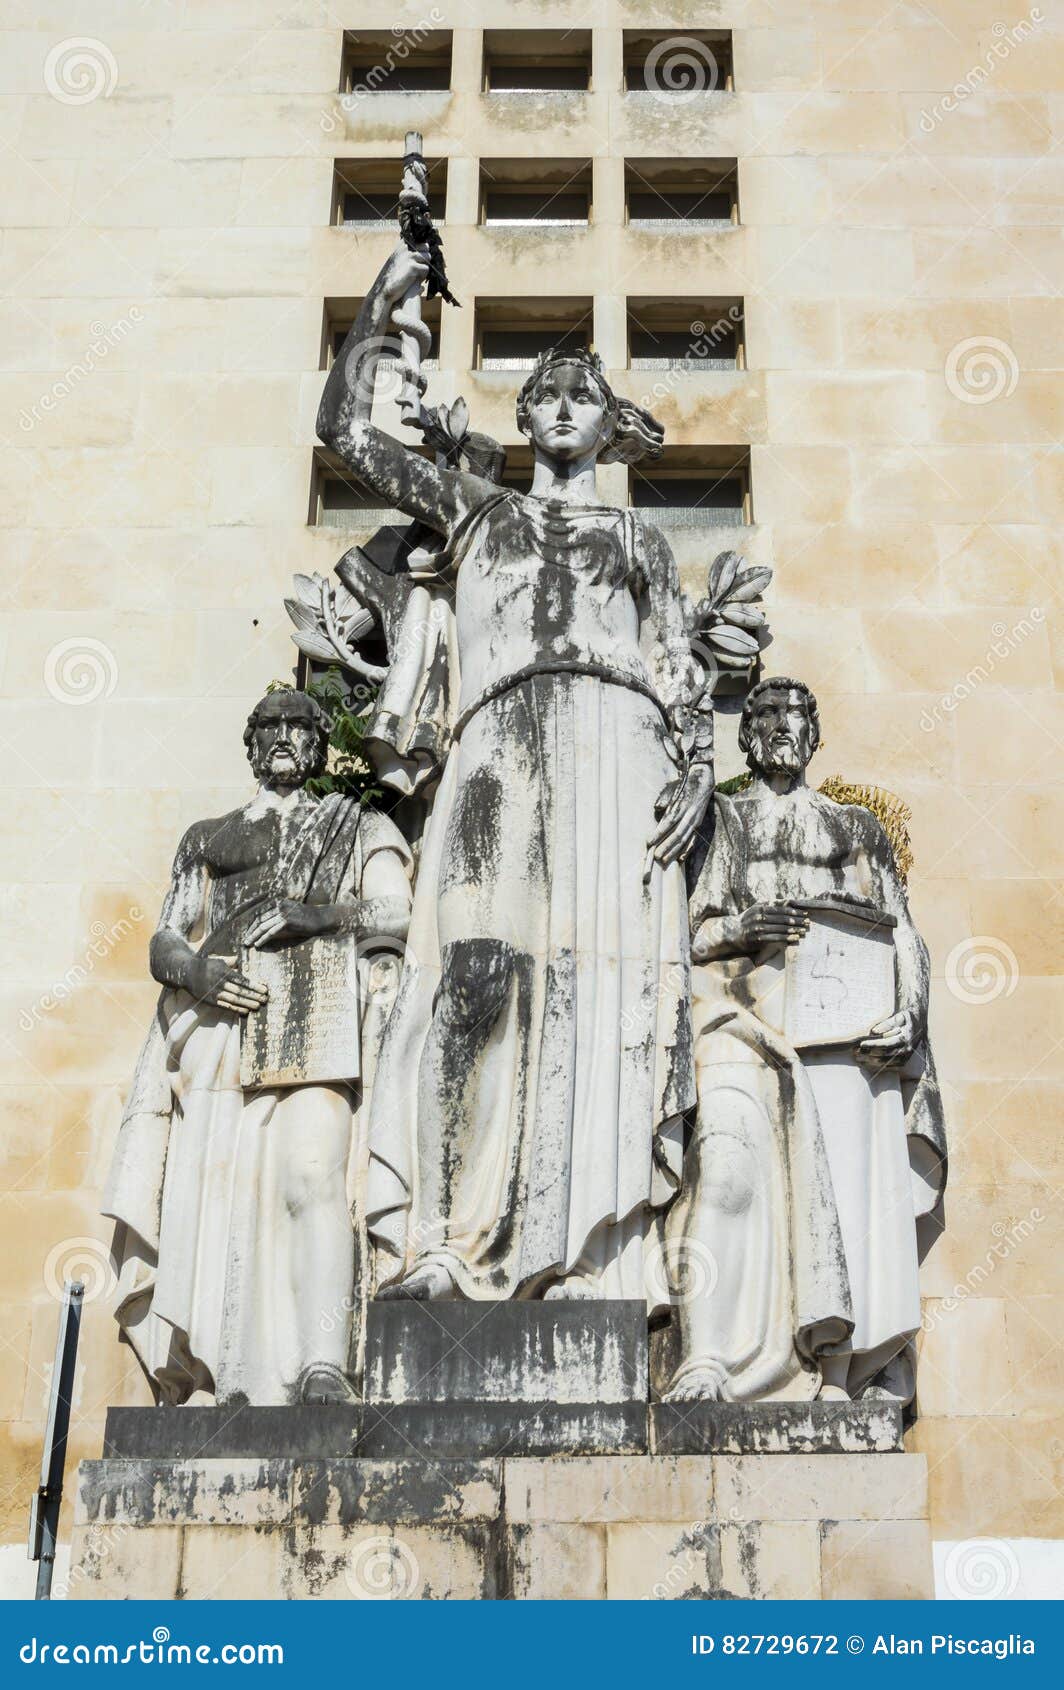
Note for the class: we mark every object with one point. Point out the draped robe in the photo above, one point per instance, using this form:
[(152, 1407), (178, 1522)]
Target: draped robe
[(205, 1181), (825, 1166), (527, 1118)]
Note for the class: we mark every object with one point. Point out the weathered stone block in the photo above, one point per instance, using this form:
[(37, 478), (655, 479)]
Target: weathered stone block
[(232, 1434), (813, 1428), (240, 1563), (609, 1488), (820, 1487), (777, 1561), (876, 1559), (205, 1492), (377, 1562), (120, 1562), (658, 1562), (528, 1352), (451, 1430), (344, 1493), (556, 1563)]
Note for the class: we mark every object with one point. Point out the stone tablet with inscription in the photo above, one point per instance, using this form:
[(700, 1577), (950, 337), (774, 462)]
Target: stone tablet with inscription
[(838, 981), (307, 1031)]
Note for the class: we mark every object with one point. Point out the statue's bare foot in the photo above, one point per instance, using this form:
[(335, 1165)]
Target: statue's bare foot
[(706, 1383), (324, 1383), (574, 1289), (833, 1393), (428, 1284)]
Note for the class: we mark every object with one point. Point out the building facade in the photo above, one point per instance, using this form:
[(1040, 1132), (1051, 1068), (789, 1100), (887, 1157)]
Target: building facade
[(820, 242)]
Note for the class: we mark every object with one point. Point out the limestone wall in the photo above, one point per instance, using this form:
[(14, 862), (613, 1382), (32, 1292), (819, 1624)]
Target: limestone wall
[(165, 256)]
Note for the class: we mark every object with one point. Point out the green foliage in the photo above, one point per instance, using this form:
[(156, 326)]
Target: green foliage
[(737, 783), (350, 771)]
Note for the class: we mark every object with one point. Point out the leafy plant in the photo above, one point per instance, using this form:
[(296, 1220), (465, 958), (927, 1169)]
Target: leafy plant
[(727, 621), (349, 771)]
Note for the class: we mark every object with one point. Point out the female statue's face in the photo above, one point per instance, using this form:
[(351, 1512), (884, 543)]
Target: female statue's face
[(567, 417)]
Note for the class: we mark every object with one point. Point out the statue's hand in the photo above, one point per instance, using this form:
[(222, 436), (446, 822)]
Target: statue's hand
[(772, 924), (212, 980), (682, 806), (403, 270), (892, 1040), (285, 922)]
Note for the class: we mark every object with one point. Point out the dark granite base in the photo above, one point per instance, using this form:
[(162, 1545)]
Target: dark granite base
[(454, 1430), (468, 1381), (183, 1434), (515, 1352), (782, 1428), (485, 1429)]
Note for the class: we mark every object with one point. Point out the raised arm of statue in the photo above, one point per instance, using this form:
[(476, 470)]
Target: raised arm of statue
[(399, 475)]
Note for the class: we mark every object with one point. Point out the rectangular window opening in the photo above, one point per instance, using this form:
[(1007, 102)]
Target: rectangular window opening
[(682, 62), (338, 499), (339, 318), (686, 334), (532, 194), (413, 61), (527, 61), (512, 333), (366, 192), (695, 487), (681, 193)]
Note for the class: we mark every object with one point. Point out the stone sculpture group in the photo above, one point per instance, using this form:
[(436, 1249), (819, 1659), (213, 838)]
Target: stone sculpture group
[(645, 1041)]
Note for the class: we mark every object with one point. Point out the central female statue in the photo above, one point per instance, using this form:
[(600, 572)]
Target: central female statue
[(527, 1113)]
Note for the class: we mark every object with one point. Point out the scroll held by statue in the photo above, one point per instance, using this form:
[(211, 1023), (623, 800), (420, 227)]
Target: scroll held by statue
[(307, 1031), (838, 981)]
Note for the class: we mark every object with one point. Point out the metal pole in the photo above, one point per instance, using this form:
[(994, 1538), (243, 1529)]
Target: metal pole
[(44, 1509)]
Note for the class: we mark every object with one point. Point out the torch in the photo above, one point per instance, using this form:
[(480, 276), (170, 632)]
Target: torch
[(417, 230)]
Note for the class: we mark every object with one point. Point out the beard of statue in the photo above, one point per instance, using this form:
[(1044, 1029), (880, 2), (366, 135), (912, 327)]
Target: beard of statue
[(780, 754), (780, 738), (284, 760)]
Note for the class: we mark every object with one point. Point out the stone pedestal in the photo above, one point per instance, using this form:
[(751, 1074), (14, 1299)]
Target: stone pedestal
[(504, 1454)]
